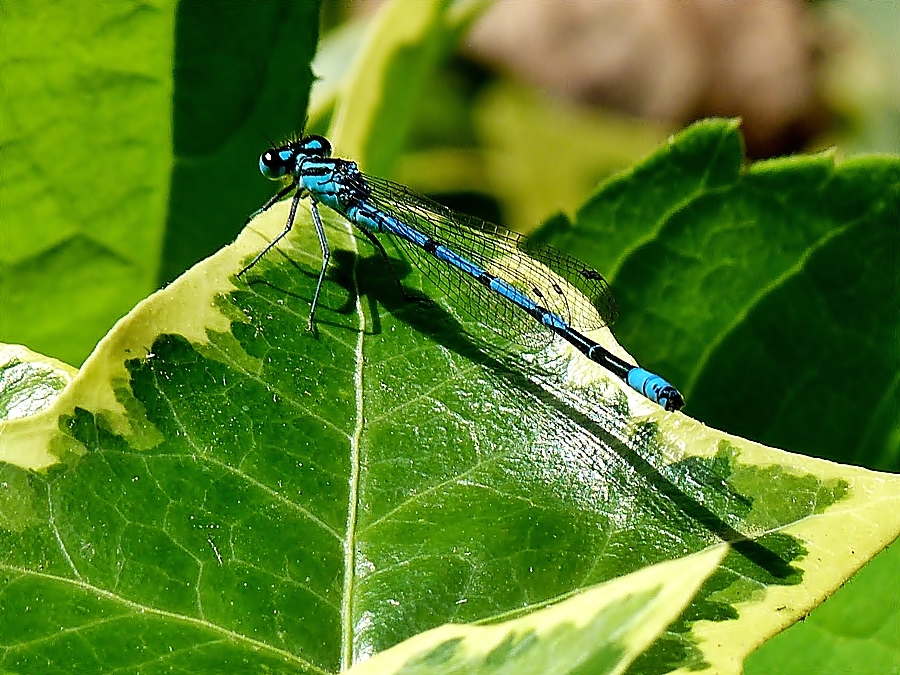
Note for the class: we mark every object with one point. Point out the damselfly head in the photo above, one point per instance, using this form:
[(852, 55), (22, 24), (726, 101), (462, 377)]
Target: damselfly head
[(280, 161)]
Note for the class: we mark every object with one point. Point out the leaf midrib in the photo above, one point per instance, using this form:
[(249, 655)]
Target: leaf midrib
[(353, 492)]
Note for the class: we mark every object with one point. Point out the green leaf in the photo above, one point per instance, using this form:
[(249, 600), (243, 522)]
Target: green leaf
[(768, 294), (220, 489), (120, 121), (600, 630), (85, 131)]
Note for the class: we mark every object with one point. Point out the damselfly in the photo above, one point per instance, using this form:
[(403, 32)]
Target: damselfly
[(498, 277)]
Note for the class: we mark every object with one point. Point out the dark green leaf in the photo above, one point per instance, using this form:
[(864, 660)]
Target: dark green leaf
[(241, 78), (768, 294)]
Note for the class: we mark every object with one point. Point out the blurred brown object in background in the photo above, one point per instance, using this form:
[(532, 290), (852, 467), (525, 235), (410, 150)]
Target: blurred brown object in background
[(670, 60)]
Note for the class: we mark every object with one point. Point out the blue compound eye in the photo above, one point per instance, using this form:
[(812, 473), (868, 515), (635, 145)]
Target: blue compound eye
[(273, 164), (316, 145)]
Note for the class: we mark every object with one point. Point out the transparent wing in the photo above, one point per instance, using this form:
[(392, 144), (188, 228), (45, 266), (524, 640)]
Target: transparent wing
[(565, 286)]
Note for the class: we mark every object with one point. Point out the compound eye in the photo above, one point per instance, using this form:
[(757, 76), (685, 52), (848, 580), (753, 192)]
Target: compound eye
[(271, 165), (317, 145)]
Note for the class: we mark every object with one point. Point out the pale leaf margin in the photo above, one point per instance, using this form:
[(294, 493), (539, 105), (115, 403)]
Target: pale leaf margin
[(29, 382)]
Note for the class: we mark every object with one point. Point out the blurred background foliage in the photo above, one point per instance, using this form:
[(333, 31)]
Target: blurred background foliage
[(594, 85)]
